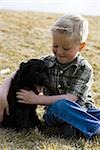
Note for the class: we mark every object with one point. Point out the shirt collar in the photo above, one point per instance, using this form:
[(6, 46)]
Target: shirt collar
[(76, 62)]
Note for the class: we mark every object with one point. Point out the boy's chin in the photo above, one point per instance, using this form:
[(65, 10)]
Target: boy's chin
[(63, 61)]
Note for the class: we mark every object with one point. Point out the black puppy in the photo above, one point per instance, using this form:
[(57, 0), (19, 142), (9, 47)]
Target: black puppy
[(30, 75)]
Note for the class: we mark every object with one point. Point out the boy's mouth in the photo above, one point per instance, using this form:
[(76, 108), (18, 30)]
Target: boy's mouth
[(61, 57)]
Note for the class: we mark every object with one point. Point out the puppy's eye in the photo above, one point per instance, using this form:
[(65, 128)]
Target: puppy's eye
[(37, 72)]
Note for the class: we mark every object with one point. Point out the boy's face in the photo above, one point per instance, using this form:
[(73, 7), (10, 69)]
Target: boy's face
[(64, 48)]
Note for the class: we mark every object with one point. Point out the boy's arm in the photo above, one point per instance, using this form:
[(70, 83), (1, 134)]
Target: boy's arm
[(3, 96), (5, 87), (78, 89), (29, 97)]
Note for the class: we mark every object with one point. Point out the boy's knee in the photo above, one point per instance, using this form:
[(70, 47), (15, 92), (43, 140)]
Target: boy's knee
[(53, 112), (57, 106)]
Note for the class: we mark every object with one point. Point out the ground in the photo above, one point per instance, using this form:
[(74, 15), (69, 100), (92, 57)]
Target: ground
[(26, 35)]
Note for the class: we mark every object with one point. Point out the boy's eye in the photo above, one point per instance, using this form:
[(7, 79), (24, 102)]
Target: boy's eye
[(66, 49), (55, 46)]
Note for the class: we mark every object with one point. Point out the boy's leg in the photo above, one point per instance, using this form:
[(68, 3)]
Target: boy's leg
[(94, 112), (70, 112)]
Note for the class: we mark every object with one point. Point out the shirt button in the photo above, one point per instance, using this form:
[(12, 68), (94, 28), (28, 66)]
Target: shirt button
[(61, 71), (59, 86)]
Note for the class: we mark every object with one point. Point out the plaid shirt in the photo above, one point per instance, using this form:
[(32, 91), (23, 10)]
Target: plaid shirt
[(74, 78)]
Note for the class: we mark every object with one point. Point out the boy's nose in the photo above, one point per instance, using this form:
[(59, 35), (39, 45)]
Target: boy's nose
[(59, 51)]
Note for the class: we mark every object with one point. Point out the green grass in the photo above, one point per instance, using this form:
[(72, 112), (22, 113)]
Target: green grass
[(26, 35)]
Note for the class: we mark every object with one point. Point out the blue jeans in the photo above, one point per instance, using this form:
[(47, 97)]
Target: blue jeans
[(67, 111)]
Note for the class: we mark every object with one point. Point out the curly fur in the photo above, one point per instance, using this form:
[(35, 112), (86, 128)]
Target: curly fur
[(30, 75)]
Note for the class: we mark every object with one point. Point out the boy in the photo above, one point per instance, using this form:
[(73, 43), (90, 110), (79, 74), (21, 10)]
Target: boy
[(68, 97)]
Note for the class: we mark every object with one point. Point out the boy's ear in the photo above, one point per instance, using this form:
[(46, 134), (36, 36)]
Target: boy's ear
[(82, 45)]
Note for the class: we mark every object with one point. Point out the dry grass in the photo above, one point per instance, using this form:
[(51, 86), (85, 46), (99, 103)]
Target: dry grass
[(25, 35)]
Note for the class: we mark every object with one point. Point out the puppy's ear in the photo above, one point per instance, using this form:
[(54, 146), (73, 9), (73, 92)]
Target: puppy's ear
[(22, 64), (20, 71), (23, 67)]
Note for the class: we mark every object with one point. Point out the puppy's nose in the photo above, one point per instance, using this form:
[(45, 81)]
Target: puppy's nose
[(39, 89)]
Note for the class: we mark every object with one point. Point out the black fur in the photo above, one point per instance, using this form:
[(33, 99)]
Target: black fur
[(30, 75)]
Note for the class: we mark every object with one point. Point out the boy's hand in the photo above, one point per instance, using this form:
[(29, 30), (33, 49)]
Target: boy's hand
[(3, 106), (26, 97)]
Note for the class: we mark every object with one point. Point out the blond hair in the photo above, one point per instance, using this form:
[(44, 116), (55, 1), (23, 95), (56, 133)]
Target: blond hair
[(74, 26)]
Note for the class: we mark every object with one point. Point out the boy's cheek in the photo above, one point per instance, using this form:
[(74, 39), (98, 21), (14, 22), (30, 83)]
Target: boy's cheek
[(54, 51)]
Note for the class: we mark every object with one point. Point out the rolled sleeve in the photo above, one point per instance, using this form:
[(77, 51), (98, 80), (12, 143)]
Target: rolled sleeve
[(80, 84)]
